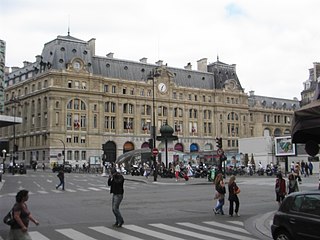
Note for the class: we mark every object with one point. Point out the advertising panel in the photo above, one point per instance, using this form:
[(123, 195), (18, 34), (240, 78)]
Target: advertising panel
[(284, 146)]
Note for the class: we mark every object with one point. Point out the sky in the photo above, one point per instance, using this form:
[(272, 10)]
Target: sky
[(273, 43)]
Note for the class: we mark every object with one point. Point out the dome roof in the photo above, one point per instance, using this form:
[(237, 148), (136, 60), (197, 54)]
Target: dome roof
[(166, 130)]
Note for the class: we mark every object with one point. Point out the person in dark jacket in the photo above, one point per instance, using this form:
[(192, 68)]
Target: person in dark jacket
[(280, 188), (61, 178), (115, 182), (234, 190)]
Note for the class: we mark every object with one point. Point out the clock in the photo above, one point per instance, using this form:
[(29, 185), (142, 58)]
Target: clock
[(162, 87)]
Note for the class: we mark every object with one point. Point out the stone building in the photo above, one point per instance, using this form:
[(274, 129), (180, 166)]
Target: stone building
[(310, 86), (72, 100)]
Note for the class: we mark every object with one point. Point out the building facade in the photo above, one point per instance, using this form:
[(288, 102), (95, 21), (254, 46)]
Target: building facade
[(2, 73), (311, 85), (75, 102)]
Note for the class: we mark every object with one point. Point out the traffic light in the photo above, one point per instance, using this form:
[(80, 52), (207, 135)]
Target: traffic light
[(219, 143), (223, 157), (15, 148), (150, 143)]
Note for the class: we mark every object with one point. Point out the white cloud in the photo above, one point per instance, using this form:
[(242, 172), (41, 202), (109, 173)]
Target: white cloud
[(273, 43)]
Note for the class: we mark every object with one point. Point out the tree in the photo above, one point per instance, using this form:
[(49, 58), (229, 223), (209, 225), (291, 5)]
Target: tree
[(246, 159), (252, 160)]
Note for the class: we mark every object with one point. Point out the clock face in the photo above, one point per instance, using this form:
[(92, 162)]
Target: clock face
[(162, 87)]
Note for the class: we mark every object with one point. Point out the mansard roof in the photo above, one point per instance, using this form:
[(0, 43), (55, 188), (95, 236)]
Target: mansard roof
[(60, 52), (271, 102)]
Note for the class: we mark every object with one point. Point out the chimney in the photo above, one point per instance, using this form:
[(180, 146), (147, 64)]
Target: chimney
[(38, 58), (13, 69), (251, 93), (26, 63), (202, 65), (110, 55), (92, 46), (159, 63), (143, 60), (188, 67)]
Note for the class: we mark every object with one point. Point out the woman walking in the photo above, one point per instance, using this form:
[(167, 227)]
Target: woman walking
[(22, 216), (234, 190), (220, 192), (280, 188), (293, 184)]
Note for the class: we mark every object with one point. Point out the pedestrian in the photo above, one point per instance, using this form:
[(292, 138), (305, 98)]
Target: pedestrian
[(177, 171), (280, 188), (61, 178), (115, 182), (292, 166), (306, 170), (234, 190), (292, 184), (310, 167), (22, 216), (220, 193), (189, 170), (297, 172), (303, 166)]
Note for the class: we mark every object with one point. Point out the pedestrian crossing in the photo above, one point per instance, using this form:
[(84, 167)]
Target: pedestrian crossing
[(70, 187), (206, 230)]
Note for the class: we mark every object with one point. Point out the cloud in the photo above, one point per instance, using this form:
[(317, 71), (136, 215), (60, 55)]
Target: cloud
[(273, 43)]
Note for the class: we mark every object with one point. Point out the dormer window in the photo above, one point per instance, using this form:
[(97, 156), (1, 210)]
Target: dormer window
[(76, 65)]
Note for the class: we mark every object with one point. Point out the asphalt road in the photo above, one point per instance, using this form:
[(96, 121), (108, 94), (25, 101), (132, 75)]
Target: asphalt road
[(165, 209)]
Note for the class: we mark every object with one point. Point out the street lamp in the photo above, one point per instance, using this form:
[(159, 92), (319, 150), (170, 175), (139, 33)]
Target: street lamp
[(3, 158), (15, 146), (152, 75)]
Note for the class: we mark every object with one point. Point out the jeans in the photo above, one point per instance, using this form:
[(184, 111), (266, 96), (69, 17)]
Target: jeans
[(61, 184), (116, 200), (219, 206)]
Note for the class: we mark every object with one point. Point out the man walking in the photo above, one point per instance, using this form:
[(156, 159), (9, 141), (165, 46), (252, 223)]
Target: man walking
[(116, 181), (61, 178)]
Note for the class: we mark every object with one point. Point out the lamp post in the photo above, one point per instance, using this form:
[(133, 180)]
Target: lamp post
[(152, 75), (3, 158), (15, 146)]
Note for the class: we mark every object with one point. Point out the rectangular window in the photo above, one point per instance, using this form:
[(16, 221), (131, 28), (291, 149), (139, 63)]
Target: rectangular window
[(76, 139), (76, 84), (69, 155), (76, 155), (83, 155), (84, 85), (106, 88), (114, 89), (124, 91), (113, 123), (69, 84), (106, 122), (174, 95), (68, 139)]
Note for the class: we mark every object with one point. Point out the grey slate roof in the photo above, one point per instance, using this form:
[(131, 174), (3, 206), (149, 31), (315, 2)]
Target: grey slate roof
[(271, 102), (59, 52)]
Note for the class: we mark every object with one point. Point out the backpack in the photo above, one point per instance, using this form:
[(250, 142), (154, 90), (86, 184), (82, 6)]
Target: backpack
[(9, 218)]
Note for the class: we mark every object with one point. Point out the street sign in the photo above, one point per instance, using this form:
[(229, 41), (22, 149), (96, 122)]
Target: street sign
[(219, 151), (155, 152)]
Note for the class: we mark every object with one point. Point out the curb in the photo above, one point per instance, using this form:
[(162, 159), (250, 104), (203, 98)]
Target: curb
[(263, 224)]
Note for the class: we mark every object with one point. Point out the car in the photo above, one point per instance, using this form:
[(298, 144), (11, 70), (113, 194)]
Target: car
[(66, 167), (298, 217)]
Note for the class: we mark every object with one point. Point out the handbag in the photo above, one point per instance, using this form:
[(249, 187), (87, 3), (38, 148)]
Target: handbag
[(237, 191), (9, 218)]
